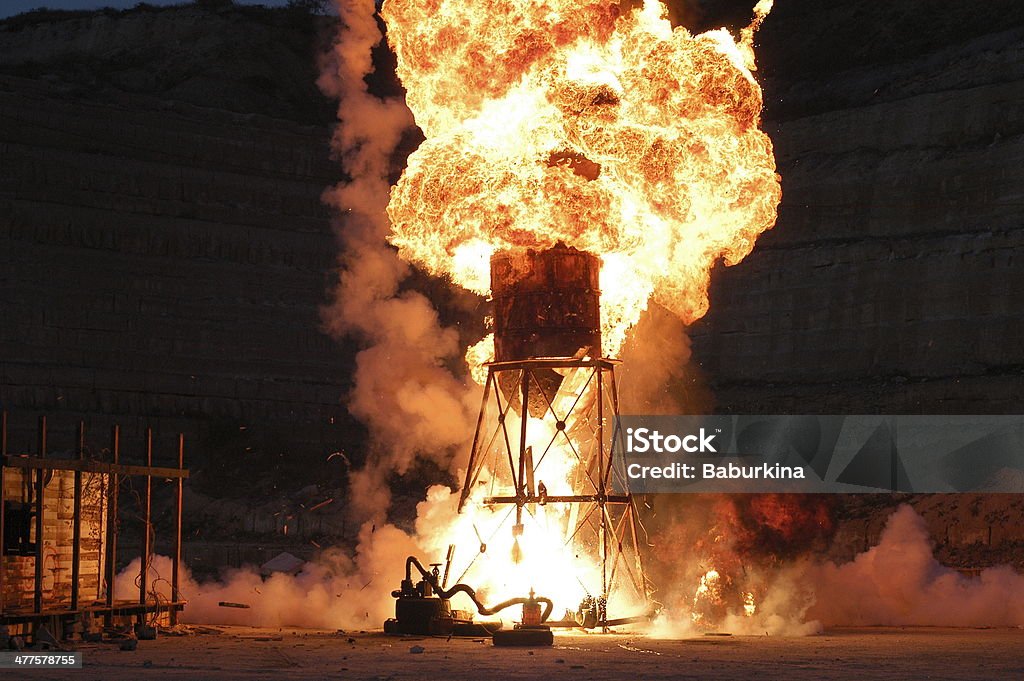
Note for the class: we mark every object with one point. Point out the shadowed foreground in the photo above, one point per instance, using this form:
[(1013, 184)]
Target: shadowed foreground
[(865, 653)]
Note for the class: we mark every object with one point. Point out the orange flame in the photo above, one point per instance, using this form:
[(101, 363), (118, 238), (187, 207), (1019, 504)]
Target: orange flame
[(575, 121)]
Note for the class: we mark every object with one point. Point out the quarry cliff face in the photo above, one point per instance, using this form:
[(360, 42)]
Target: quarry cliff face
[(164, 249), (891, 282), (164, 253)]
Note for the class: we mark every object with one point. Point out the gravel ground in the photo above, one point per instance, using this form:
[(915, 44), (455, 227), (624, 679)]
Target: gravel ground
[(866, 653)]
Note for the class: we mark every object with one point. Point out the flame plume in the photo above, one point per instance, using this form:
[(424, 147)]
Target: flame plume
[(578, 121)]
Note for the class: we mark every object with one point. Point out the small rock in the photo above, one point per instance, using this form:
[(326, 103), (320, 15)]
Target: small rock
[(416, 650), (17, 643), (559, 661), (129, 644), (147, 663)]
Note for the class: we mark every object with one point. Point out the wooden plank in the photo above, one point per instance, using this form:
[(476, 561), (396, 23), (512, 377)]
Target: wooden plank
[(3, 456), (40, 485), (29, 462), (76, 536)]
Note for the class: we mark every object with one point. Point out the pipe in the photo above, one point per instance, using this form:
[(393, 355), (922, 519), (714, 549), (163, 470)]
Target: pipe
[(468, 590)]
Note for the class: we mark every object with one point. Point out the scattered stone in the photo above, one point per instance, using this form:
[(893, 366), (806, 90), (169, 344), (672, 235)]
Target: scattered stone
[(147, 663), (559, 661), (416, 650), (129, 644)]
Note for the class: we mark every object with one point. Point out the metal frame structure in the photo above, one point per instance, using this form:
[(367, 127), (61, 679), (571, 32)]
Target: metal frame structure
[(578, 398), (37, 466)]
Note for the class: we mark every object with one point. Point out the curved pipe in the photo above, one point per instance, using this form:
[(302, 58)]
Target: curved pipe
[(468, 590)]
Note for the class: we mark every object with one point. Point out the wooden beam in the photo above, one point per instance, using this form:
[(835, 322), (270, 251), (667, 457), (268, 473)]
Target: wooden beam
[(30, 462), (175, 595), (147, 531), (76, 533), (112, 502), (3, 457), (40, 484)]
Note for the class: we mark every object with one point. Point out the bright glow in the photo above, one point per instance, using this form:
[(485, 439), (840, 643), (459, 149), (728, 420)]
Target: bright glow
[(574, 121), (568, 120)]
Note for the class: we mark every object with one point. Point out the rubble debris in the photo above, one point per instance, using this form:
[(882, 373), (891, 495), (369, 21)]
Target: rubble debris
[(228, 604), (417, 650)]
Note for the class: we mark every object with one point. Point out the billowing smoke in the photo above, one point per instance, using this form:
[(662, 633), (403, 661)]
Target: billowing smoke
[(898, 582), (336, 590), (656, 376), (412, 405)]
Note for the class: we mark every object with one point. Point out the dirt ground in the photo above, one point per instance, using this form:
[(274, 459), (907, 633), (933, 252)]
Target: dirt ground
[(866, 653)]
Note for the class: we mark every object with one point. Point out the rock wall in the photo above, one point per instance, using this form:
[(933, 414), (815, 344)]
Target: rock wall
[(162, 265), (892, 282)]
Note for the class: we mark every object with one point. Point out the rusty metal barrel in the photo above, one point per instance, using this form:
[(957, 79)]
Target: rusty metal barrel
[(546, 303)]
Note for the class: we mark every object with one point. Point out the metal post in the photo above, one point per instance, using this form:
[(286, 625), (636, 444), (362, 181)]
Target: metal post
[(472, 470), (37, 599), (3, 462), (144, 559), (76, 536), (112, 501), (175, 596), (601, 489), (525, 385)]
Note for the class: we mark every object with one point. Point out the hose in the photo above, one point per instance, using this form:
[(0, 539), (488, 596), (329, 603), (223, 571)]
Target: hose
[(468, 590)]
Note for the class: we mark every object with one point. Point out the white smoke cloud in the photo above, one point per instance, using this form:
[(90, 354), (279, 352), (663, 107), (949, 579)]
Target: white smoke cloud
[(898, 582), (412, 405), (335, 590), (656, 376)]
